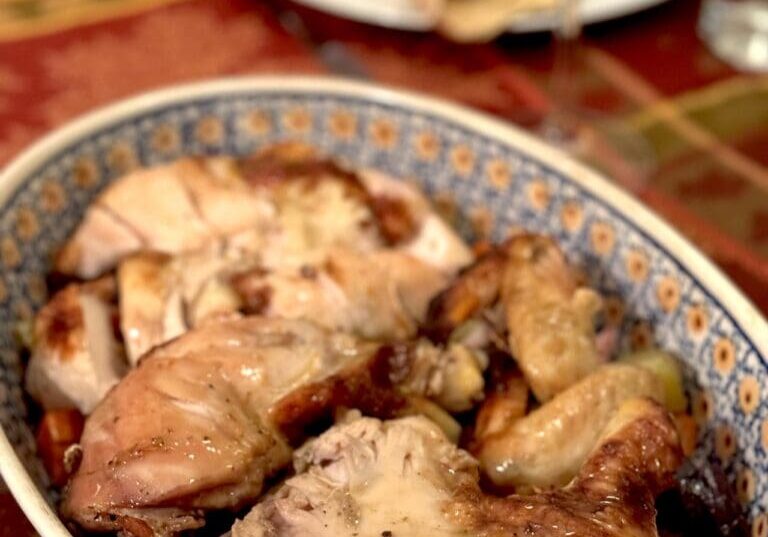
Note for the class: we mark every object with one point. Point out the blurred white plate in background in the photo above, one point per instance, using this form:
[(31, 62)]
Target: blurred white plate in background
[(422, 15), (418, 15)]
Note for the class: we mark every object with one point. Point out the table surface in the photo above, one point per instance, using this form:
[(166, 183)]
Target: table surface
[(707, 124)]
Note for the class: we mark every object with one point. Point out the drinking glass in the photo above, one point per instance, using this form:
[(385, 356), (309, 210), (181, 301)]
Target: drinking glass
[(737, 32), (590, 135)]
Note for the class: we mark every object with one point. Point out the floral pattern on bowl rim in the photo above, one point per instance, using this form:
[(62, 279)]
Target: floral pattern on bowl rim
[(659, 288)]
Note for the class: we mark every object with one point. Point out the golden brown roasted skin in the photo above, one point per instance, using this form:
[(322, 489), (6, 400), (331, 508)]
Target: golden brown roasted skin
[(548, 315), (475, 288), (613, 494), (547, 447), (404, 478)]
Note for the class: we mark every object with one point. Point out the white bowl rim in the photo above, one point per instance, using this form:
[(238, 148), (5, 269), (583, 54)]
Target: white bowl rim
[(733, 301)]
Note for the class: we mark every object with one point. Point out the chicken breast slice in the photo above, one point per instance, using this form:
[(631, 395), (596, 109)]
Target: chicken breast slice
[(154, 209), (173, 208), (285, 203), (378, 295), (151, 306), (201, 437), (76, 359), (404, 478)]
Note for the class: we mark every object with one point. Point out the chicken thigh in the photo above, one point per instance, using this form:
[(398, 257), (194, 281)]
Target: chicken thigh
[(189, 428), (286, 203), (205, 419)]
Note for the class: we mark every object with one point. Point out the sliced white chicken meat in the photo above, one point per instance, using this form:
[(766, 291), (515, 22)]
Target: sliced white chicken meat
[(163, 296), (171, 208), (218, 408), (428, 237), (404, 478), (76, 358), (379, 295), (286, 204), (151, 307)]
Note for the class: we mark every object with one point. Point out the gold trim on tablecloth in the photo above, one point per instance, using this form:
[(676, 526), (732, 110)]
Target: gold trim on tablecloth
[(31, 18)]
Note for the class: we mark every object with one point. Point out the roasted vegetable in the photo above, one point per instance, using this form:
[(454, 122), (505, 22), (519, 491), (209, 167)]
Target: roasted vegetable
[(667, 368), (58, 430)]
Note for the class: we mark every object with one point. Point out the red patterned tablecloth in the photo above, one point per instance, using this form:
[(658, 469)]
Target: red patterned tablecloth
[(707, 123)]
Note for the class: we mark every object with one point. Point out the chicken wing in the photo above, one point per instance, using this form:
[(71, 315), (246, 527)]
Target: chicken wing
[(548, 446), (404, 478), (551, 319)]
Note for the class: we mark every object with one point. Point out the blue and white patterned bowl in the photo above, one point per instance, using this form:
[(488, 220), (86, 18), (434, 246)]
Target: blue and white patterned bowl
[(661, 289)]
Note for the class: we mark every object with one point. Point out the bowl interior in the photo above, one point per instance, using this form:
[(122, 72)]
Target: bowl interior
[(493, 179)]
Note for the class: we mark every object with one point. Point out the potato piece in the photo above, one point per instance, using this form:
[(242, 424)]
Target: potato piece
[(436, 414), (463, 380)]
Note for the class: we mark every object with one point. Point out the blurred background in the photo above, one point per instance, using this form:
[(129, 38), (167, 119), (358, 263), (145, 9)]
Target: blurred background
[(669, 98)]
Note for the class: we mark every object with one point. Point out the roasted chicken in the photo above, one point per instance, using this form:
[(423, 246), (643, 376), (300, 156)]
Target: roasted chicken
[(379, 295), (549, 318), (206, 418), (286, 204), (246, 305), (403, 478)]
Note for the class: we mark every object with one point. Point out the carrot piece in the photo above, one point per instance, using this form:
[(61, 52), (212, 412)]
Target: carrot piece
[(58, 430), (688, 430), (508, 404), (482, 247)]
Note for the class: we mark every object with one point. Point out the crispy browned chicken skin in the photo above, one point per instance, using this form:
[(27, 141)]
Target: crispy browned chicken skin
[(548, 315)]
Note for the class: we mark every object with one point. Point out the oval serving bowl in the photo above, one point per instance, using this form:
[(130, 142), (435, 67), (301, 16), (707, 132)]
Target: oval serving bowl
[(659, 288)]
